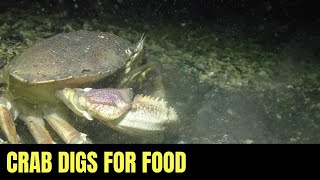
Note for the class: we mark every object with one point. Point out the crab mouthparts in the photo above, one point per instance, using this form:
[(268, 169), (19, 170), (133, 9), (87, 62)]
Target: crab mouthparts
[(102, 104)]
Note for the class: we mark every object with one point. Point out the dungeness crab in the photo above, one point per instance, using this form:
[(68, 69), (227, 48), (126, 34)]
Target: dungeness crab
[(61, 71)]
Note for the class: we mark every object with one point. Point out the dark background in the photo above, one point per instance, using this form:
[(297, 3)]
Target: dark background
[(173, 10)]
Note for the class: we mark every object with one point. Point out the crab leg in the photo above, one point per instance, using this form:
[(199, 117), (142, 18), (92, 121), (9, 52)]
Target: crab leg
[(7, 121), (68, 133), (37, 128)]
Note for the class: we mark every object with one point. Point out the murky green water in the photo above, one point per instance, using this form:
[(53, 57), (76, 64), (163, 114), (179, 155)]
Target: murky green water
[(229, 82)]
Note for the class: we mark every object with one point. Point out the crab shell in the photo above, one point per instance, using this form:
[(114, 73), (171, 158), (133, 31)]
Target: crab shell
[(75, 59)]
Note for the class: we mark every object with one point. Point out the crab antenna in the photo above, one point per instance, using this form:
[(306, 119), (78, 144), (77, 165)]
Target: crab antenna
[(140, 44)]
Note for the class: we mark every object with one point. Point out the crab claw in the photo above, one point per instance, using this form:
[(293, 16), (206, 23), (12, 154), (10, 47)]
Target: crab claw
[(102, 104), (147, 117), (144, 116)]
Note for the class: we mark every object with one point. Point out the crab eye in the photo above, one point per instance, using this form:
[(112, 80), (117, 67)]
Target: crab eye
[(128, 51)]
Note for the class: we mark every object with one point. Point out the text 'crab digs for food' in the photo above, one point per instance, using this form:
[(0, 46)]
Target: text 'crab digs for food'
[(93, 162)]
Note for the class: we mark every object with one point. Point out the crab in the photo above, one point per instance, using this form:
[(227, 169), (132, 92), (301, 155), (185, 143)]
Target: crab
[(71, 72)]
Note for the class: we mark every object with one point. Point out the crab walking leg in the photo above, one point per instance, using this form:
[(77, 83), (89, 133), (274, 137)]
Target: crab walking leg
[(7, 121), (67, 132), (37, 128)]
